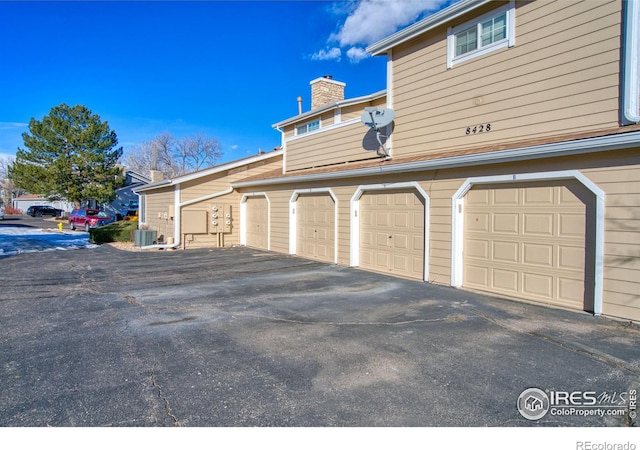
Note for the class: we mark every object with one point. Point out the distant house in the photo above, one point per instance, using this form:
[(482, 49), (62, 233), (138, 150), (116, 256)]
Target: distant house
[(125, 194), (24, 201)]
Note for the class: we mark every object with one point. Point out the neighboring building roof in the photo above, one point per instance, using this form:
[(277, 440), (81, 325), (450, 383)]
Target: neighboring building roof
[(329, 107), (138, 177), (428, 23), (30, 197), (209, 171), (574, 144)]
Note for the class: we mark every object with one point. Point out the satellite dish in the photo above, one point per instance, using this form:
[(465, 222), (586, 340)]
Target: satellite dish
[(377, 118)]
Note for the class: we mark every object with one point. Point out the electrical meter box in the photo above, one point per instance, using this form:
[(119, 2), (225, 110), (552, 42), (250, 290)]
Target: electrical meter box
[(221, 218)]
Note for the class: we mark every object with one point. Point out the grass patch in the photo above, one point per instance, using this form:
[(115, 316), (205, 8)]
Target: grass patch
[(114, 232)]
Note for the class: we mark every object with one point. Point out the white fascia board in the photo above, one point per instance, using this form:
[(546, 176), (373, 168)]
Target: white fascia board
[(329, 107), (211, 171), (426, 24), (151, 186), (576, 147)]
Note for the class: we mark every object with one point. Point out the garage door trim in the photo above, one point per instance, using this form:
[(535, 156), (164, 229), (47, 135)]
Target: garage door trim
[(293, 227), (354, 259), (243, 217), (457, 222)]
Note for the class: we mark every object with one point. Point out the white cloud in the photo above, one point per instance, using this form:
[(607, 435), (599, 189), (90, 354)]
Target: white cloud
[(368, 21), (12, 125), (327, 54), (234, 147), (356, 54)]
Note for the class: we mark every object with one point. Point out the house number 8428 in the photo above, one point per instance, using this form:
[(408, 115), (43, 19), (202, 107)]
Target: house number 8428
[(478, 129)]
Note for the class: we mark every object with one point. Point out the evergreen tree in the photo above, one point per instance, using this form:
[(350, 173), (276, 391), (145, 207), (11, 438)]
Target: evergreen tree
[(69, 155)]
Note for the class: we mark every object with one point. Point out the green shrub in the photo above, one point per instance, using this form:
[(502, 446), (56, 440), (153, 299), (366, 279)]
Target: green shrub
[(114, 232)]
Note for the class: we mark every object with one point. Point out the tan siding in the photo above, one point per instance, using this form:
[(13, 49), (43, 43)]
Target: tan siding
[(622, 238), (203, 186), (159, 202), (561, 76), (279, 216), (210, 239), (342, 144)]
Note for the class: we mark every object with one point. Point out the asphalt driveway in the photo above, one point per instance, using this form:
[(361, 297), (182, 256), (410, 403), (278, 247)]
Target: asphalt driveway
[(239, 337)]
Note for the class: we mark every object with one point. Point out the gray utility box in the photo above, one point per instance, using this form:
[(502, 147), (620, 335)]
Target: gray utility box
[(143, 238)]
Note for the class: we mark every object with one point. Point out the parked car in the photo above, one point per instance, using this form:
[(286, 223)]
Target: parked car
[(40, 210), (129, 211), (1, 213), (88, 218), (131, 215)]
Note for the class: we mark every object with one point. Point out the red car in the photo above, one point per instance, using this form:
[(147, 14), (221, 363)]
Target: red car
[(88, 218)]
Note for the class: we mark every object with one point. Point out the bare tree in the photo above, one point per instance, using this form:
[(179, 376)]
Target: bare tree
[(196, 152), (4, 166), (174, 157), (7, 187), (155, 154)]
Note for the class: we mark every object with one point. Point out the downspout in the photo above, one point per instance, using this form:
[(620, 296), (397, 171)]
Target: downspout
[(283, 147), (177, 217), (631, 64)]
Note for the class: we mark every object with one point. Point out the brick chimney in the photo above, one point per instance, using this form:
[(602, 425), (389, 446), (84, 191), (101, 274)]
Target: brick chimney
[(156, 175), (326, 90)]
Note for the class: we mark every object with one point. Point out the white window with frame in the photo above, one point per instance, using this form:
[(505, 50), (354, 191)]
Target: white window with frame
[(307, 127), (480, 36)]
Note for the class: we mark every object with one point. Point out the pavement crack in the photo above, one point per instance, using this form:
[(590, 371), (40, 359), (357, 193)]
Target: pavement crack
[(131, 300), (161, 396), (321, 322)]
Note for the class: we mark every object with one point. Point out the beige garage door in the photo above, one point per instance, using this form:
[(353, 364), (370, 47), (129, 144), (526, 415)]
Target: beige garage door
[(257, 210), (527, 241), (315, 227), (392, 232)]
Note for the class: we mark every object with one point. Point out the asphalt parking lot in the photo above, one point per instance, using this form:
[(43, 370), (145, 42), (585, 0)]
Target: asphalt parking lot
[(239, 337)]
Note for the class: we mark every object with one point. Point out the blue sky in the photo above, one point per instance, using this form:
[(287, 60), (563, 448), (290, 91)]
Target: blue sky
[(227, 69)]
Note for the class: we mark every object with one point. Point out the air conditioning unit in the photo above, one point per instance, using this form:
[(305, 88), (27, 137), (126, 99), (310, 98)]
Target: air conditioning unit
[(144, 238)]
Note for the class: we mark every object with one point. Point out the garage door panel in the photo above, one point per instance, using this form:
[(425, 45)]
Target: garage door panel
[(538, 255), (505, 251), (477, 197), (401, 219), (418, 244), (401, 263), (570, 290), (315, 224), (571, 258), (475, 248), (571, 225), (257, 209), (538, 285), (476, 276), (506, 223), (506, 280), (401, 241), (505, 197), (477, 222), (398, 232), (539, 196), (538, 224), (527, 240)]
